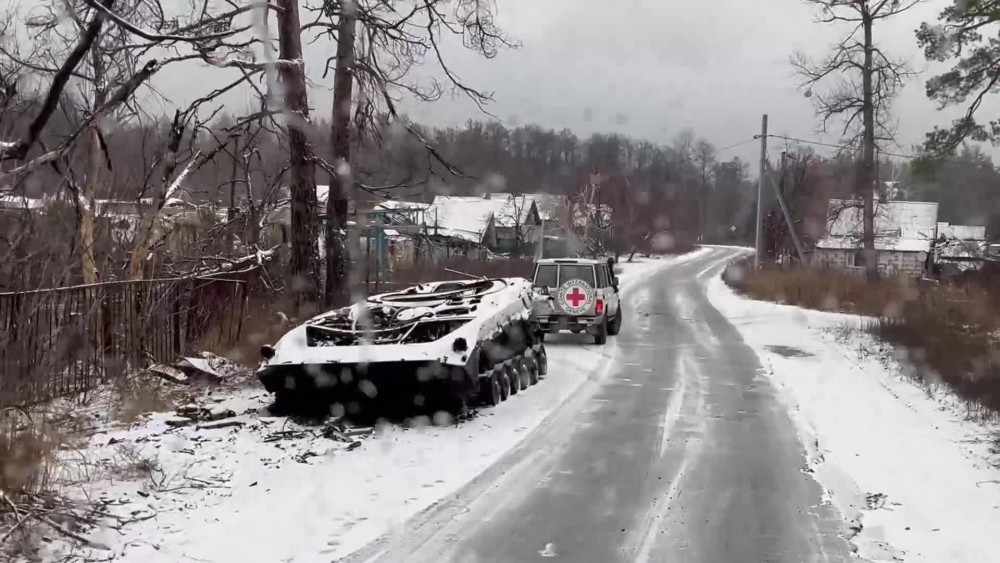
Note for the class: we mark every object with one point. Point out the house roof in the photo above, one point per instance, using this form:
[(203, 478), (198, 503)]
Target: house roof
[(465, 218), (516, 210), (549, 205), (961, 242), (11, 201), (961, 232), (901, 226), (395, 204)]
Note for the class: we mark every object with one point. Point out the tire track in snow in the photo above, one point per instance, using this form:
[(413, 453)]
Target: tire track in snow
[(691, 390)]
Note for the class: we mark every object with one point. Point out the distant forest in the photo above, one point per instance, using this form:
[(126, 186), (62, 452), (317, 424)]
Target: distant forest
[(684, 186)]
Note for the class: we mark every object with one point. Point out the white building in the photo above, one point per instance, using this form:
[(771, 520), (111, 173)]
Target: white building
[(904, 235)]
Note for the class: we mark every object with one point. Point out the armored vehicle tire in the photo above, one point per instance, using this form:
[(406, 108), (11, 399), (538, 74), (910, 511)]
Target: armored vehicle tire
[(532, 366), (542, 359), (490, 391), (503, 379), (601, 333), (513, 376), (615, 326), (525, 369)]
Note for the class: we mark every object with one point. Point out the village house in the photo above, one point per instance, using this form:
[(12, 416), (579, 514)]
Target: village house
[(904, 233), (909, 240), (958, 248), (499, 222)]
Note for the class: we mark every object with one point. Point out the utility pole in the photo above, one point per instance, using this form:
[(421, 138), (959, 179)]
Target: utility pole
[(760, 191)]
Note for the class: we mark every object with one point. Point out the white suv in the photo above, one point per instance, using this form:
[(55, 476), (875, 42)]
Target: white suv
[(577, 295)]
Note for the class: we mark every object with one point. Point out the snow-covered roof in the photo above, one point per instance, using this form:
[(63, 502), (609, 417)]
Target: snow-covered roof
[(11, 201), (322, 191), (961, 232), (548, 205), (961, 242), (401, 205), (465, 218), (900, 226), (515, 212)]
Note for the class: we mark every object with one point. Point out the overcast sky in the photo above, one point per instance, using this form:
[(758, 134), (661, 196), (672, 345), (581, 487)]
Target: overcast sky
[(651, 68), (644, 68)]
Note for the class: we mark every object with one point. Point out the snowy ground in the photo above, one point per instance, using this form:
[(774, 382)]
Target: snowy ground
[(892, 456), (269, 490)]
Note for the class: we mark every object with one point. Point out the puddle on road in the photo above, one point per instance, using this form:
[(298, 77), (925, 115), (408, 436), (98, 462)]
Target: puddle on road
[(789, 352)]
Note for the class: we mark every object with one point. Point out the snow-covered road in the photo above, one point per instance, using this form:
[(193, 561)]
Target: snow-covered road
[(681, 453), (273, 491)]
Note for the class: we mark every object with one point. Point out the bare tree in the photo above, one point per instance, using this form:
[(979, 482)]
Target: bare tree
[(337, 250), (378, 44), (92, 61), (865, 81), (704, 157), (305, 259)]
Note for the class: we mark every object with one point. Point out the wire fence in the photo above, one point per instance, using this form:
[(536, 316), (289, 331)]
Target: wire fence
[(55, 342)]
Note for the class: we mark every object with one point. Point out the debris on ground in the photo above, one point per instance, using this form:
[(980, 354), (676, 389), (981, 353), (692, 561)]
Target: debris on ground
[(204, 414), (875, 501), (208, 369), (218, 424)]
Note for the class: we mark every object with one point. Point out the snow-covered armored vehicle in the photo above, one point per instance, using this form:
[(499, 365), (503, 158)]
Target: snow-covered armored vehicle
[(439, 345), (578, 295)]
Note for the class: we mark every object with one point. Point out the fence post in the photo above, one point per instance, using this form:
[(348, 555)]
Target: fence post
[(177, 320)]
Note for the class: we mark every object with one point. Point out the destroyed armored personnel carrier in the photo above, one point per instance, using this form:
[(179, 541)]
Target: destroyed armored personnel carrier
[(433, 346)]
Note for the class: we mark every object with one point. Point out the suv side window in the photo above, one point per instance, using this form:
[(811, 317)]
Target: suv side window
[(602, 275)]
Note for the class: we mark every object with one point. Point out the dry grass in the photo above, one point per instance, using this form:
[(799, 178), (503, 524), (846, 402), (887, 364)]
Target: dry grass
[(950, 337), (823, 290), (27, 462), (24, 451), (948, 333)]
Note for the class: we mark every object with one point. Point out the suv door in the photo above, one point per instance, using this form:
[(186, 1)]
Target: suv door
[(585, 273), (605, 290), (615, 298)]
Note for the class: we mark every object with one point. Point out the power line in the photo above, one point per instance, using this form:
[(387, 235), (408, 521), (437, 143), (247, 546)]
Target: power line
[(880, 152), (739, 144)]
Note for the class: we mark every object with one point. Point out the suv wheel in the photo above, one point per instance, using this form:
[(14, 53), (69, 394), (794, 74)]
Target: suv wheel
[(601, 334), (615, 326)]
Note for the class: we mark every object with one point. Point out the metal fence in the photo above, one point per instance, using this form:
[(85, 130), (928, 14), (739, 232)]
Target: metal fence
[(59, 341)]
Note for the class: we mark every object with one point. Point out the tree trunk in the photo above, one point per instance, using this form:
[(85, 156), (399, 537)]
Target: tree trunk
[(88, 219), (337, 255), (304, 233), (87, 216), (866, 179)]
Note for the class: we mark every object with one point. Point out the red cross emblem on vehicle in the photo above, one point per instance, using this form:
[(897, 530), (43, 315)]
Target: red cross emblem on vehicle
[(576, 297)]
